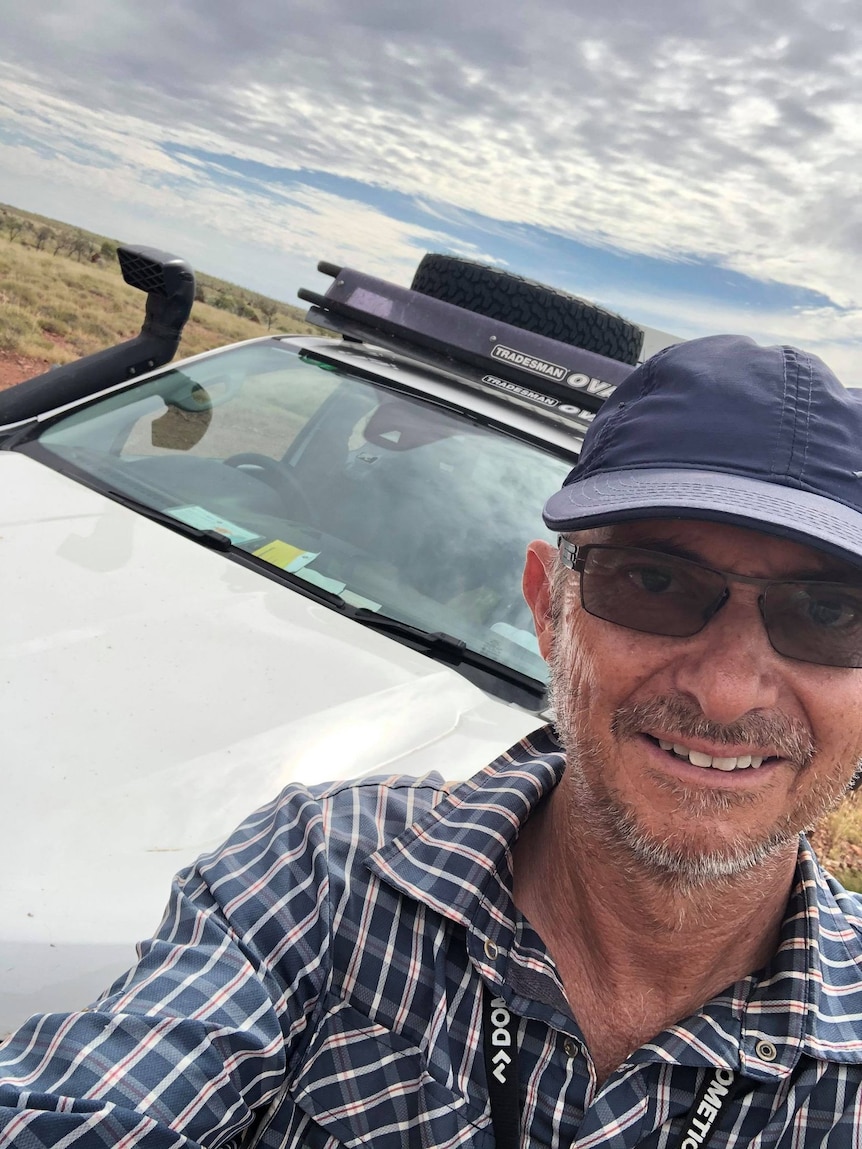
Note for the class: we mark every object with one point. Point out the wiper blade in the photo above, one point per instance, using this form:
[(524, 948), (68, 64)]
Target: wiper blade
[(444, 647), (215, 540)]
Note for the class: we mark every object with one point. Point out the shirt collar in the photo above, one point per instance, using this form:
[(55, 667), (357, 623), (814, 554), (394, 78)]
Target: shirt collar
[(809, 998), (456, 858), (448, 857)]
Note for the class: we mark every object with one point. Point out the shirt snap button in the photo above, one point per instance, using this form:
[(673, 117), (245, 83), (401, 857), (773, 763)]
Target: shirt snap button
[(491, 950), (570, 1048), (766, 1051)]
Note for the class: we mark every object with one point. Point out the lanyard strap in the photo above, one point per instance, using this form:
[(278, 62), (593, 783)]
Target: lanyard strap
[(711, 1102), (501, 1070)]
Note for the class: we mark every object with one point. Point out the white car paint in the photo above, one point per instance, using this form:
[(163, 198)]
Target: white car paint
[(153, 693)]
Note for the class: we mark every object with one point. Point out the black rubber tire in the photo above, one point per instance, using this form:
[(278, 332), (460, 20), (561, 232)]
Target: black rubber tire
[(524, 303)]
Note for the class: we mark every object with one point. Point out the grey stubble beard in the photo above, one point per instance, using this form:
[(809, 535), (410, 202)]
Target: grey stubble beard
[(679, 866)]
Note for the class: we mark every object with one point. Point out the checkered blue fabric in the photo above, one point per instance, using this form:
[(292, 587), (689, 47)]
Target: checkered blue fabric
[(317, 982)]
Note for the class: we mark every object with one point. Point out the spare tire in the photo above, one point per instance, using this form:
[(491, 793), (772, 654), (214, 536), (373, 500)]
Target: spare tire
[(524, 303)]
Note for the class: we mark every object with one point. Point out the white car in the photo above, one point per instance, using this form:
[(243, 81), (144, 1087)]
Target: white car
[(292, 558)]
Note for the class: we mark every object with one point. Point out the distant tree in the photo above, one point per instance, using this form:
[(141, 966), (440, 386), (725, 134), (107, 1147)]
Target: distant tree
[(43, 236), (15, 225), (268, 309), (245, 311), (80, 247), (60, 243), (200, 294), (108, 250)]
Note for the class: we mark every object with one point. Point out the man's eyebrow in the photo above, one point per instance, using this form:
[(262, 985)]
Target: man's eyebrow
[(663, 546), (834, 574)]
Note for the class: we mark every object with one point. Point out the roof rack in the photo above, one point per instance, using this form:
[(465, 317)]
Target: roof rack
[(361, 306)]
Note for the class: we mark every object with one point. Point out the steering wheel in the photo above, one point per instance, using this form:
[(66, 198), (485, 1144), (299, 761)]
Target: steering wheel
[(280, 478)]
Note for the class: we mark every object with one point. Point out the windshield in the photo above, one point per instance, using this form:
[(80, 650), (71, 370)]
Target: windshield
[(407, 508)]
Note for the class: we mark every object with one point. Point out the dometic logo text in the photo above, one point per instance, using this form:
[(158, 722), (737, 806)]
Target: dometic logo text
[(500, 1036), (710, 1106), (529, 363)]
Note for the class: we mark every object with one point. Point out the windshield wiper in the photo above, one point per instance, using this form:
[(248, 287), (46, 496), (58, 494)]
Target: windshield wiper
[(215, 540), (436, 644), (444, 647)]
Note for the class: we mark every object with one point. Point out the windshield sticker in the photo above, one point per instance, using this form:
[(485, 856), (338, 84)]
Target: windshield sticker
[(317, 579), (360, 600), (523, 638), (281, 554), (205, 520)]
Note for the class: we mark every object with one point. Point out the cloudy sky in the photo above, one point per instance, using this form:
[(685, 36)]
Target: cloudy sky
[(692, 165)]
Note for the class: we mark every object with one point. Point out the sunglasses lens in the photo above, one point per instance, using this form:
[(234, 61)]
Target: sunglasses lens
[(815, 622), (647, 591)]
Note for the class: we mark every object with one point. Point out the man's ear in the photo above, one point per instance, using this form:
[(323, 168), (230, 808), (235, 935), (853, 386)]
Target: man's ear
[(536, 584)]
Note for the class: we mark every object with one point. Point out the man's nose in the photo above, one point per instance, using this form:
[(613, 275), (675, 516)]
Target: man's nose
[(729, 668)]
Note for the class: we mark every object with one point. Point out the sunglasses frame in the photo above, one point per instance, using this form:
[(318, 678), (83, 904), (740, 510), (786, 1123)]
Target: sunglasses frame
[(575, 557)]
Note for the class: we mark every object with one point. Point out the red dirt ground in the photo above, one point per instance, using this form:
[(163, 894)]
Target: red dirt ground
[(14, 368)]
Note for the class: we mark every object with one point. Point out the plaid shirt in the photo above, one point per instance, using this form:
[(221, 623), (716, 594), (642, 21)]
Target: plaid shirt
[(318, 982)]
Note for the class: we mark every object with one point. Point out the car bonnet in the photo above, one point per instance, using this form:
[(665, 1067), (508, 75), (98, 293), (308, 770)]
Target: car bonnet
[(153, 694)]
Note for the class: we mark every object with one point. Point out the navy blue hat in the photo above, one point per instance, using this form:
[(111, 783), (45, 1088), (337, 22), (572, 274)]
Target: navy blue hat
[(723, 429)]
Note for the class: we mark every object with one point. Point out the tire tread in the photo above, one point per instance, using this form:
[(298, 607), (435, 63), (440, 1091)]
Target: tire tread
[(525, 303)]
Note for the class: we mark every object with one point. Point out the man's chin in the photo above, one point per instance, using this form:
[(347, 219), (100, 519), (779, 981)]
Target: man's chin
[(705, 852), (688, 866)]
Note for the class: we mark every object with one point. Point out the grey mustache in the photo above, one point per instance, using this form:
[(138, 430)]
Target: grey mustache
[(789, 738)]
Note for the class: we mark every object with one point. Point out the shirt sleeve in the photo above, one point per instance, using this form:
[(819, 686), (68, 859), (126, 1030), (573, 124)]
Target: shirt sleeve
[(191, 1046)]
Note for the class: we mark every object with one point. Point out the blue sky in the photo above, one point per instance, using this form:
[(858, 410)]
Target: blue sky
[(692, 168)]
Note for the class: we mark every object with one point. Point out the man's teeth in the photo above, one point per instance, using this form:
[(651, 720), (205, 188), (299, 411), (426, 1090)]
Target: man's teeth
[(696, 758)]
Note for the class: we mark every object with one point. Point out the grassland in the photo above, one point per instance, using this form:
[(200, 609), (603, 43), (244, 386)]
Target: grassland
[(838, 841), (57, 306)]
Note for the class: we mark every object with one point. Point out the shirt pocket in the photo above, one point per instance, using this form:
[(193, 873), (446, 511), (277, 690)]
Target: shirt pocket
[(365, 1085)]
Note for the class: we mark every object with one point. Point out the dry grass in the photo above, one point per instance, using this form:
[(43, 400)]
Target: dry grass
[(838, 841), (55, 309)]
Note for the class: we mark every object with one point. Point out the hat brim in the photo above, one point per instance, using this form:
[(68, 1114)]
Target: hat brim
[(622, 496)]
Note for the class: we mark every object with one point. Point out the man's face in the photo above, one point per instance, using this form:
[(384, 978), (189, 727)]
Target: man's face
[(641, 715)]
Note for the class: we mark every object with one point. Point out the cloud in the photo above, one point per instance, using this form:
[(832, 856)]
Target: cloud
[(722, 133)]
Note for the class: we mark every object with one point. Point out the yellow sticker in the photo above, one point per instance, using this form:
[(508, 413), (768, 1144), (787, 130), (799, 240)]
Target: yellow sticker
[(279, 554)]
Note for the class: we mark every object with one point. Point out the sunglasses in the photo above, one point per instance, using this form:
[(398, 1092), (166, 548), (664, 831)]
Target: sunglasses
[(656, 593)]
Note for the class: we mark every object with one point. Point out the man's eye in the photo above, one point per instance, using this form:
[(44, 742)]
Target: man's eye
[(656, 580), (833, 612)]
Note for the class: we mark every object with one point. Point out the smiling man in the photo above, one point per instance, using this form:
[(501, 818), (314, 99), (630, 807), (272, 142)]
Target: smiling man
[(703, 620), (616, 934)]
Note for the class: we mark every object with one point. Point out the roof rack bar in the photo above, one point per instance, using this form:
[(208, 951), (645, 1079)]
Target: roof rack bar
[(375, 306), (573, 418)]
